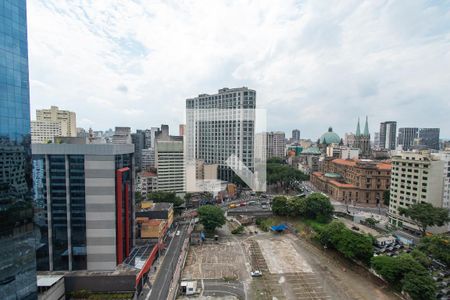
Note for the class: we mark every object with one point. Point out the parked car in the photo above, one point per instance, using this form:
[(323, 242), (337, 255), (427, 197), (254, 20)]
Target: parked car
[(256, 273)]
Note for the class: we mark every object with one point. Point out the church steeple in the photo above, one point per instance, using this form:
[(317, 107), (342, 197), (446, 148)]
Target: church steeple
[(358, 129), (366, 128)]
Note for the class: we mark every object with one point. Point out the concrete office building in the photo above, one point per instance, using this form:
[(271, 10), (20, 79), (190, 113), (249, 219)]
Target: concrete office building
[(295, 136), (276, 144), (89, 205), (182, 129), (388, 133), (43, 132), (445, 157), (147, 182), (67, 118), (221, 125), (122, 135), (150, 137), (138, 140), (376, 140), (416, 177), (148, 159), (429, 137), (169, 161), (349, 139), (406, 137)]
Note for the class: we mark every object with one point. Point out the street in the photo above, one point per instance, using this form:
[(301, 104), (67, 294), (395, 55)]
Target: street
[(160, 288)]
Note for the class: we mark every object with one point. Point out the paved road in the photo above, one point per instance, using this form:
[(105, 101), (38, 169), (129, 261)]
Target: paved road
[(160, 288), (219, 288)]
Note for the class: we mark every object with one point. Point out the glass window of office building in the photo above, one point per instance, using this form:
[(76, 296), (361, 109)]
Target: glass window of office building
[(17, 242)]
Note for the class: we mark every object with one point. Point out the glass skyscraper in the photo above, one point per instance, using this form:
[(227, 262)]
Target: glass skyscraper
[(17, 242)]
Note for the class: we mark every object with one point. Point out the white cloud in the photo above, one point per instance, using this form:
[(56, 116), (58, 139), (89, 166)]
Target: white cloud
[(313, 64)]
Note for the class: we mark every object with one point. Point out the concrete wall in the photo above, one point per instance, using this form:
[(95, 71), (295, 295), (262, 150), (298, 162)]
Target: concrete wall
[(100, 212)]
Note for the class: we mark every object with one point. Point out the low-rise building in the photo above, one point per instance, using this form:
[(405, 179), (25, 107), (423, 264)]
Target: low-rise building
[(147, 182), (160, 210), (355, 182), (43, 132)]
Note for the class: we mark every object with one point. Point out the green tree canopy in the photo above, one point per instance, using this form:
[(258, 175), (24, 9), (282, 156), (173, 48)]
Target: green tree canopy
[(425, 215), (280, 206), (386, 197), (279, 173), (211, 217), (437, 246), (165, 197), (315, 206), (318, 207), (351, 244), (419, 286), (405, 273)]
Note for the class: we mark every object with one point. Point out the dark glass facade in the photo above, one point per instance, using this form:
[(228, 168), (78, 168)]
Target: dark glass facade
[(17, 241), (77, 211), (66, 249)]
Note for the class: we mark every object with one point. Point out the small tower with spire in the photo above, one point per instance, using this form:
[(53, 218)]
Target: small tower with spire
[(362, 141)]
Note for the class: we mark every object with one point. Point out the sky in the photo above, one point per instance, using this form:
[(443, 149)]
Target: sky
[(313, 64)]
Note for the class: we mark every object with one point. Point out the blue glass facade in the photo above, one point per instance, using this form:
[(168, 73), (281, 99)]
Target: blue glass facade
[(17, 242)]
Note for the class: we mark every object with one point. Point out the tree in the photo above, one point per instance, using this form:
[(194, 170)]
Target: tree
[(211, 217), (437, 246), (371, 222), (165, 197), (386, 197), (282, 174), (405, 273), (138, 197), (419, 286), (318, 207), (351, 244), (424, 215), (421, 258), (280, 206)]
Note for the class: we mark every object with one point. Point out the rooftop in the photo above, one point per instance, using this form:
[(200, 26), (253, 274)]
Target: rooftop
[(158, 206), (147, 174), (353, 162), (48, 280)]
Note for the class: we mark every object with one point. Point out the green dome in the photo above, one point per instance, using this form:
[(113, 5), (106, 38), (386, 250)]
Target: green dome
[(330, 137)]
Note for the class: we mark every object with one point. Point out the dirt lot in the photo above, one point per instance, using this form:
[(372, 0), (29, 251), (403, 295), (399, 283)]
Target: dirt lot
[(215, 261), (294, 269)]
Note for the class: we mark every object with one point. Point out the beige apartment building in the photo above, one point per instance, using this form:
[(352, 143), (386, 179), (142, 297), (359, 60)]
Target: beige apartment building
[(415, 177), (67, 119)]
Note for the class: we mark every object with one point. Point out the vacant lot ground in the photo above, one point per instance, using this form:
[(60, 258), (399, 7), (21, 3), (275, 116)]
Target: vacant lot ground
[(294, 269), (221, 260), (281, 256)]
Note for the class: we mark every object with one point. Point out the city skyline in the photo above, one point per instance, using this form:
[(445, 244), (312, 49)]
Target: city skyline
[(370, 61)]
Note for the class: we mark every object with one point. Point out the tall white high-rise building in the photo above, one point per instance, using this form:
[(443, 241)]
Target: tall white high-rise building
[(221, 125), (417, 177), (67, 118)]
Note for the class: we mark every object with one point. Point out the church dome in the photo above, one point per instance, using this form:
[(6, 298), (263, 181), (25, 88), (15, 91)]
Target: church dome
[(330, 137)]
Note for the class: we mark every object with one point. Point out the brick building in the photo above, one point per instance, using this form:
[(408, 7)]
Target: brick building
[(355, 182)]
